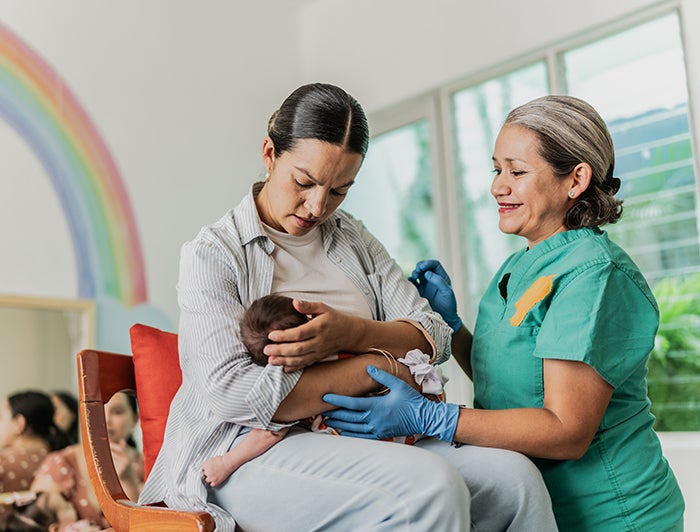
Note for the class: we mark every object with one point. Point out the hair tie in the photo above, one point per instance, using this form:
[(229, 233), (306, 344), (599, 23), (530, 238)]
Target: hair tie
[(610, 182), (615, 185)]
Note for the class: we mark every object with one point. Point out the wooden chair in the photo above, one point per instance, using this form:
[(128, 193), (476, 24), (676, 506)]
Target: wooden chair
[(101, 375)]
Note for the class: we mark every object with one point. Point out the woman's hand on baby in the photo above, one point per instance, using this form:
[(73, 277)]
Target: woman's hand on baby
[(325, 334)]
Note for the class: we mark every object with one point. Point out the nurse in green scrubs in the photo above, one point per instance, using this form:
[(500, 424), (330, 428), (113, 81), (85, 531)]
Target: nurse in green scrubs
[(559, 351)]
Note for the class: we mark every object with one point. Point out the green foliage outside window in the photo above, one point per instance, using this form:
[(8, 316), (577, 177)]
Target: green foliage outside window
[(674, 364)]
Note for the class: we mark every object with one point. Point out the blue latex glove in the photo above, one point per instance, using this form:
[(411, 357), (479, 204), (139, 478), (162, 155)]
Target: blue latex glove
[(401, 412), (434, 284)]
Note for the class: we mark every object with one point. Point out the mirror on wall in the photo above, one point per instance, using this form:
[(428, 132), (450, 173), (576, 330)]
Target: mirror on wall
[(40, 338)]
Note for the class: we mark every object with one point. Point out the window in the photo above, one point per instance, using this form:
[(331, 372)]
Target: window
[(393, 194), (635, 77)]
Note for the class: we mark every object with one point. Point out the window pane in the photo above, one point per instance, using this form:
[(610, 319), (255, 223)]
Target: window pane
[(641, 92), (393, 194), (478, 113)]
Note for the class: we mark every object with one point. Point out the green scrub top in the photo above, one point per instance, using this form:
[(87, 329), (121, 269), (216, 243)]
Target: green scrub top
[(578, 296)]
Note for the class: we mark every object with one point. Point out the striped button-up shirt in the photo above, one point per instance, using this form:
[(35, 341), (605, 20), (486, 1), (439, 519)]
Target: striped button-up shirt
[(226, 267)]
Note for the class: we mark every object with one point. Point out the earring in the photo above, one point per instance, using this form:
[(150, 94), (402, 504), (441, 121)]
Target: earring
[(267, 176), (572, 193)]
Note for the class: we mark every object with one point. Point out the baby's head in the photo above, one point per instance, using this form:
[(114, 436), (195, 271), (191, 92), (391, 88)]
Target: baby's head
[(269, 313)]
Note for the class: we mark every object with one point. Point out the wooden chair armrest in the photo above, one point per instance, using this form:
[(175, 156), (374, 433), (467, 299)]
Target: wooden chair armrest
[(101, 375)]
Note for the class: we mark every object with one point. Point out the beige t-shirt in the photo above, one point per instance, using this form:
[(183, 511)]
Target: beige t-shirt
[(304, 271)]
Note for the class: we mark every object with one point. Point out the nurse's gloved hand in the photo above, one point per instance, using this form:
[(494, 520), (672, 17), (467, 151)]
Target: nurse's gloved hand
[(401, 412), (434, 284)]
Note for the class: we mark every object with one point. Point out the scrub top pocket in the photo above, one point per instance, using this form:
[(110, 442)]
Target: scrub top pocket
[(503, 377)]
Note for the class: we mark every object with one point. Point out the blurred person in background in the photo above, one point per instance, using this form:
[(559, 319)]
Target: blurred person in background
[(65, 471), (66, 414)]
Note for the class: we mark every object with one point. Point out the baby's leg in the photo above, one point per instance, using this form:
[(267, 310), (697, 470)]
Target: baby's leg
[(219, 468)]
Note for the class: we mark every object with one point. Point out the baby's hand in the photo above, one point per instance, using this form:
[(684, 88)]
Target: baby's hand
[(324, 335), (215, 471)]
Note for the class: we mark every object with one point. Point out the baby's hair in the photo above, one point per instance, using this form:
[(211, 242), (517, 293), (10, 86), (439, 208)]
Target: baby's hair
[(269, 313)]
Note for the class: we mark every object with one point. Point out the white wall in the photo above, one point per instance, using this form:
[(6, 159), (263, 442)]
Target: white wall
[(384, 52), (181, 92)]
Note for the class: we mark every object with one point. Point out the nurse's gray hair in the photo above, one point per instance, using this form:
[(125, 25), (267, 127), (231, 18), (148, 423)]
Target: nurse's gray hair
[(570, 131)]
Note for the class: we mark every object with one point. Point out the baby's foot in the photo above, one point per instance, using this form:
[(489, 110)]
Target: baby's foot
[(214, 471)]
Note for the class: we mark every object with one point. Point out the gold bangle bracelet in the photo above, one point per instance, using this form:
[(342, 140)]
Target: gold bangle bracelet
[(393, 366), (393, 363)]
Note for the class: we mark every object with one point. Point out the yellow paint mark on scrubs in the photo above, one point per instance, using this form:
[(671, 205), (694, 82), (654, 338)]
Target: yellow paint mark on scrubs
[(533, 295)]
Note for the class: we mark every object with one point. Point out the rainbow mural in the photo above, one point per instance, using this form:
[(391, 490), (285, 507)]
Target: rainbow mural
[(42, 109)]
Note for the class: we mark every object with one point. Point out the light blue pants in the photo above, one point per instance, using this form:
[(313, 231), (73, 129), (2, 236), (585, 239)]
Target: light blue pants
[(312, 481)]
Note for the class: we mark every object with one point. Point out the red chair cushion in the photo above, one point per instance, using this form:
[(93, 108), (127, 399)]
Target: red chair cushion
[(158, 377)]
